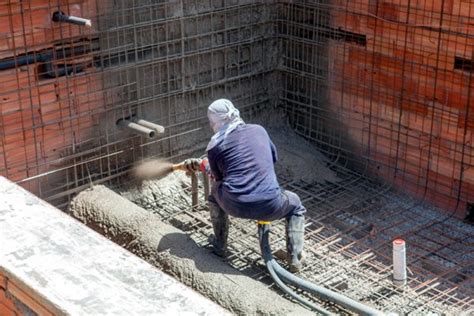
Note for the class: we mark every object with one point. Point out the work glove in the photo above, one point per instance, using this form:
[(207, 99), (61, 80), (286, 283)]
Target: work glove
[(192, 165), (204, 166)]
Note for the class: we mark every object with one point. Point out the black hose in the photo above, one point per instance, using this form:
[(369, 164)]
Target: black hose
[(23, 60), (277, 271), (61, 71), (263, 232), (45, 56)]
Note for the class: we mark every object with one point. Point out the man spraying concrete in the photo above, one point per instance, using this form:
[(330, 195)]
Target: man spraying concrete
[(241, 160)]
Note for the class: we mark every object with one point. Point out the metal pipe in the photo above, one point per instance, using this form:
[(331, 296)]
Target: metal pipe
[(158, 128), (138, 129), (194, 189), (59, 16), (206, 185)]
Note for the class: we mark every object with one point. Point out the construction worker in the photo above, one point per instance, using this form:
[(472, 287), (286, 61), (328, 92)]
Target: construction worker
[(241, 160)]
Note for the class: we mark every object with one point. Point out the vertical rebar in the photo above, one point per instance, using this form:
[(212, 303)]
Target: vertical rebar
[(194, 189), (206, 185)]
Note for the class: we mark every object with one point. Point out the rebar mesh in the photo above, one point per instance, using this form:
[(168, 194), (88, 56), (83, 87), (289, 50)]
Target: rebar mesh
[(163, 61), (382, 88), (347, 243)]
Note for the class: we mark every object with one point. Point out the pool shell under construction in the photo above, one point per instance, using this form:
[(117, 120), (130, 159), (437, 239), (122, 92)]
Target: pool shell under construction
[(369, 103), (351, 223)]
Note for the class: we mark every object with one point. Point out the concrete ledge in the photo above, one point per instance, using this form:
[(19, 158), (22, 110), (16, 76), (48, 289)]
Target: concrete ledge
[(52, 263)]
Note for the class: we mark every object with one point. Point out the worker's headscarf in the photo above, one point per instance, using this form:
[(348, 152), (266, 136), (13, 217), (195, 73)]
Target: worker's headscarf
[(223, 118)]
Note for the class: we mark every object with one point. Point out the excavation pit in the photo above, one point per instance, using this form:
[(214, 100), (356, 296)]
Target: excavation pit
[(351, 224), (381, 91)]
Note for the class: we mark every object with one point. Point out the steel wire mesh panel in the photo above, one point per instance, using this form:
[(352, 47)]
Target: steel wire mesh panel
[(347, 243), (382, 88), (385, 87), (66, 86)]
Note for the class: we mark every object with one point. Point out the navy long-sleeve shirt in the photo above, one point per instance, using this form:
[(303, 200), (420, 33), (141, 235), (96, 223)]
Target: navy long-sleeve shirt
[(243, 167)]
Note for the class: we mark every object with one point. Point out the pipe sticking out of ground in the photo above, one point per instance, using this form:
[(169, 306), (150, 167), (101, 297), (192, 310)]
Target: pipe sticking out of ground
[(171, 250)]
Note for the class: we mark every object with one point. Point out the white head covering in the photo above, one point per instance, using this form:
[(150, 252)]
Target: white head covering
[(224, 118)]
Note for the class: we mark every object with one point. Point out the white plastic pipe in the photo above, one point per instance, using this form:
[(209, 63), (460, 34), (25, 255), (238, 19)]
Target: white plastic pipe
[(138, 129), (158, 128), (79, 21), (59, 16), (399, 262)]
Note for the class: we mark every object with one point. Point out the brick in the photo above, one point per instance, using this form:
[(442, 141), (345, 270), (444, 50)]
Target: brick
[(442, 184), (463, 8), (445, 6), (463, 153), (7, 306), (443, 60), (21, 30), (459, 100), (468, 175), (409, 55), (11, 79), (414, 83), (382, 33), (17, 120), (457, 45), (389, 11), (445, 167), (348, 21), (467, 191), (452, 132), (449, 203)]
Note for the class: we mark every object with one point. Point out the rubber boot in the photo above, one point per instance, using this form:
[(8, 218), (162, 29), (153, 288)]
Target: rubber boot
[(295, 242), (220, 224)]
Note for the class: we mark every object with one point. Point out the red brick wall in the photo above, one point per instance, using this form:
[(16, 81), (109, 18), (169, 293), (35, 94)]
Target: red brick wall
[(41, 117), (11, 293), (405, 104)]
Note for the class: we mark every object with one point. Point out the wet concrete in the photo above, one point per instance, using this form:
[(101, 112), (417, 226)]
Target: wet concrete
[(175, 253)]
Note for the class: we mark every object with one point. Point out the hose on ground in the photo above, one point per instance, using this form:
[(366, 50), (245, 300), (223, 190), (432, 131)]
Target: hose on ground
[(278, 274), (270, 263)]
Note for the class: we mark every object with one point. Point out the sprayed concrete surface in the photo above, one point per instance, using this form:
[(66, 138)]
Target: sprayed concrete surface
[(298, 159), (175, 253), (71, 270), (350, 224)]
